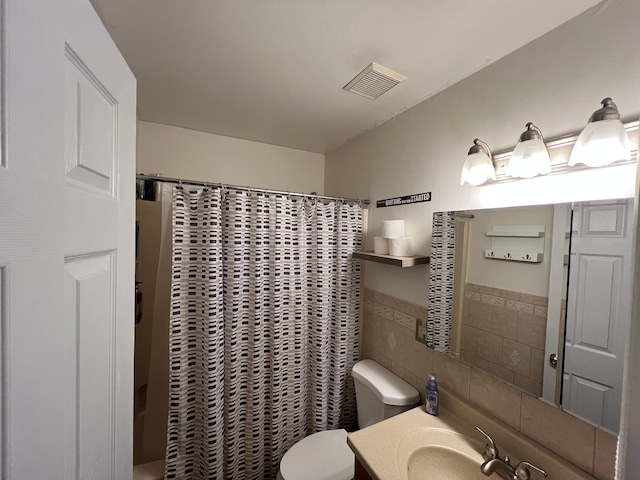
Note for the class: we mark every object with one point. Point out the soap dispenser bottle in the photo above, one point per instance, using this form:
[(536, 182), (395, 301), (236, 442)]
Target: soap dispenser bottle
[(431, 392)]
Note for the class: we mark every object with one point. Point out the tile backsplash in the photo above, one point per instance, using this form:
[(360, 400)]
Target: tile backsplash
[(389, 338)]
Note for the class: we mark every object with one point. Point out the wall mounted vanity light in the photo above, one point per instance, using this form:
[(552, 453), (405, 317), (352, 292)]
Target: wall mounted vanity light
[(530, 157), (604, 140), (478, 167)]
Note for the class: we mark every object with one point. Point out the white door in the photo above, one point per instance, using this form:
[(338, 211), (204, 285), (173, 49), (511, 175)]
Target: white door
[(598, 310), (66, 245)]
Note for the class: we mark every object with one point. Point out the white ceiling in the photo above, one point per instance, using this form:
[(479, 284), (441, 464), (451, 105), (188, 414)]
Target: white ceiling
[(273, 70)]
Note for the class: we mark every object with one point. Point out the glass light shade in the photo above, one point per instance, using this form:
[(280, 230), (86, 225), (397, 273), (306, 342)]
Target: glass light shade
[(529, 158), (601, 143), (477, 169)]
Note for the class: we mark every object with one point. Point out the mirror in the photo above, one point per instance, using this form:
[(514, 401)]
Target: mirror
[(542, 300)]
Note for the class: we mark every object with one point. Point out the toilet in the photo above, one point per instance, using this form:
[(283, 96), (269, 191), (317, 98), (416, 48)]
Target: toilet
[(325, 455)]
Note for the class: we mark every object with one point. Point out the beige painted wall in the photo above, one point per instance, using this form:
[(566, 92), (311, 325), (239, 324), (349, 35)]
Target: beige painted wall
[(556, 81), (182, 153)]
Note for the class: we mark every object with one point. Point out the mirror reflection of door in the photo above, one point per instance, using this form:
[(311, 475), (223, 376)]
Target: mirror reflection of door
[(598, 310)]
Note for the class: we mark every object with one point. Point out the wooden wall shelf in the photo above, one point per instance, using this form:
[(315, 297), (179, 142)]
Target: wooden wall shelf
[(403, 262)]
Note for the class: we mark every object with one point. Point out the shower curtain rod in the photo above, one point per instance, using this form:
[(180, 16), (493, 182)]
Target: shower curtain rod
[(158, 178)]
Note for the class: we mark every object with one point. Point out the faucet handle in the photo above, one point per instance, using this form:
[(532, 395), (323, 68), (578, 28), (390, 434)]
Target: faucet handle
[(522, 470), (490, 449)]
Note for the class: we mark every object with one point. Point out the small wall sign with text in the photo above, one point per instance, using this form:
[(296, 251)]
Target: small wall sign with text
[(405, 200)]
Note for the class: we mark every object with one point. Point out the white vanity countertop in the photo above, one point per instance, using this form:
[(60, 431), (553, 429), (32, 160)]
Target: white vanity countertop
[(376, 446)]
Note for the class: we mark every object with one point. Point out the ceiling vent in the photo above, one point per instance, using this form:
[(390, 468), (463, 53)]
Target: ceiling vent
[(373, 81)]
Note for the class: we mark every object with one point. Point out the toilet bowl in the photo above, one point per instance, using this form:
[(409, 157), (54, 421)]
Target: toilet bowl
[(149, 471), (325, 455)]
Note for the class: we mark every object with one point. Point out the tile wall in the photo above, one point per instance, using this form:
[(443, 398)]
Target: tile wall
[(388, 337)]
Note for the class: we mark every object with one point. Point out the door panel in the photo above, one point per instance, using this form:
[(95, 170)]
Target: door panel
[(90, 128), (90, 366), (599, 285), (587, 397)]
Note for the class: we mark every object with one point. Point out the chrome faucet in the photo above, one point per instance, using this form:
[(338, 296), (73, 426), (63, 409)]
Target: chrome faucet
[(502, 466), (498, 465)]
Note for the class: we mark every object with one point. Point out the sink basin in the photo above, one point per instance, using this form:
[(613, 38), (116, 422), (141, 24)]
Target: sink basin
[(442, 462), (438, 453)]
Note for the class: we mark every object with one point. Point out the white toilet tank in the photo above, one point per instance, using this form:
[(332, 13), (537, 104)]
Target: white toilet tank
[(380, 394)]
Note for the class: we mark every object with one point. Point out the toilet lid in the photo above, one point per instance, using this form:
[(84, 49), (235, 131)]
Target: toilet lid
[(321, 456)]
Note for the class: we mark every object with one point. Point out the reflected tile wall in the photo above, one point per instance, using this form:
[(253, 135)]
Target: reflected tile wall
[(503, 333)]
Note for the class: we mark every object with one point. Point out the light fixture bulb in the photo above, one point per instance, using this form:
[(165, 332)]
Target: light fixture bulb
[(604, 140), (478, 167), (530, 157)]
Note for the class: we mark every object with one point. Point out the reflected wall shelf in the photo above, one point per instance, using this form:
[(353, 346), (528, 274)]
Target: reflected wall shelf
[(514, 256), (516, 243), (524, 231), (389, 260)]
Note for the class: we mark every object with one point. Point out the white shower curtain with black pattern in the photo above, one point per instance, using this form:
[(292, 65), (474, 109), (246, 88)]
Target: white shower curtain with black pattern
[(442, 264), (264, 329)]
